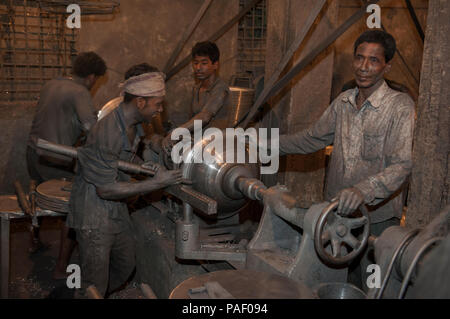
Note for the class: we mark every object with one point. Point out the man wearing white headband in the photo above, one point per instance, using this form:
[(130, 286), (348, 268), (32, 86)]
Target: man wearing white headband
[(99, 215)]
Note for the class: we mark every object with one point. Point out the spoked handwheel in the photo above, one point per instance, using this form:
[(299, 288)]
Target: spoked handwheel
[(338, 232)]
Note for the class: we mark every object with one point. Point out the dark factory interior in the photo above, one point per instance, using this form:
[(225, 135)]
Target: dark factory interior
[(341, 109)]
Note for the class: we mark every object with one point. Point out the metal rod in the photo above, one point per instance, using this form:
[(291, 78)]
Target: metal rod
[(41, 45), (287, 57), (33, 66), (84, 3), (21, 91), (29, 25), (214, 37), (26, 43), (12, 19), (72, 152), (34, 33), (187, 34), (37, 51), (24, 78), (187, 212)]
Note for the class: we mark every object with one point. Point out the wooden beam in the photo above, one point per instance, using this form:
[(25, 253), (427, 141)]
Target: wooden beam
[(430, 180), (188, 32)]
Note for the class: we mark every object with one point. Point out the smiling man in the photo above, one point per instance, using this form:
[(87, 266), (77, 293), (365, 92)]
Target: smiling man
[(371, 129), (210, 95), (98, 214)]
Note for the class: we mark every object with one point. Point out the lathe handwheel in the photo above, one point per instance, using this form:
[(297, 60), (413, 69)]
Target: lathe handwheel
[(338, 232)]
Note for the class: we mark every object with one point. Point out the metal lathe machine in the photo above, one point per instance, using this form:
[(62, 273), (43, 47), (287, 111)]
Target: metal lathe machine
[(194, 243)]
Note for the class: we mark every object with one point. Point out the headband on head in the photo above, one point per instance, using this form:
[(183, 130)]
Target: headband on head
[(145, 85)]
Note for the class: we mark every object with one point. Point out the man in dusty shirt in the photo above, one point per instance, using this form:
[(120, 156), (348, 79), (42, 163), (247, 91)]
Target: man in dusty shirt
[(64, 113), (98, 213), (371, 129), (210, 95)]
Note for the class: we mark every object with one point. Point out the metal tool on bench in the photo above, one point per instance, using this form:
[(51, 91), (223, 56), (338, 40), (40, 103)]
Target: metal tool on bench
[(210, 290), (240, 284), (22, 198), (29, 208)]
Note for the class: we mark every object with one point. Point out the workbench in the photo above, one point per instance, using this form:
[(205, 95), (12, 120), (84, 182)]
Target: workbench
[(10, 210)]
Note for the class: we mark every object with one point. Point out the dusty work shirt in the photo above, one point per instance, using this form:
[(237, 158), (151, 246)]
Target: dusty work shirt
[(215, 100), (64, 111), (372, 147), (107, 143)]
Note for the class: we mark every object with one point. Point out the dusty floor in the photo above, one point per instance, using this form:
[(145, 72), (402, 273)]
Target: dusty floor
[(31, 274)]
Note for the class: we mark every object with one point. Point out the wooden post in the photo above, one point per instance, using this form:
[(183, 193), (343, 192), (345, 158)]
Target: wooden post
[(430, 179)]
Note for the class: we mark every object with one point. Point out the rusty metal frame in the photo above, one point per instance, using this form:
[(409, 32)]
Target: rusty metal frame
[(35, 47), (251, 44)]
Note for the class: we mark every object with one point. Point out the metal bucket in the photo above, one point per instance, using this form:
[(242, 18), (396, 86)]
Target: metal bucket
[(241, 101), (339, 290)]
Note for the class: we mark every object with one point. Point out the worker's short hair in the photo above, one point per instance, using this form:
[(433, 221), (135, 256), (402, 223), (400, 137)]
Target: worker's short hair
[(381, 37), (87, 63), (136, 70), (208, 49)]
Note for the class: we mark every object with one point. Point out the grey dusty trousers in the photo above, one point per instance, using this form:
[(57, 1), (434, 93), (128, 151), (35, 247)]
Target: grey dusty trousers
[(107, 260)]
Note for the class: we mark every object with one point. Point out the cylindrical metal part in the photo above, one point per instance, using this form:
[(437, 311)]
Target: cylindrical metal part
[(187, 212), (217, 179), (134, 168), (72, 152), (186, 238), (251, 187), (57, 148)]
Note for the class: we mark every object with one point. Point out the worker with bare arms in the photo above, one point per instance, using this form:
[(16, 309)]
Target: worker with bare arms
[(98, 212), (64, 114)]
